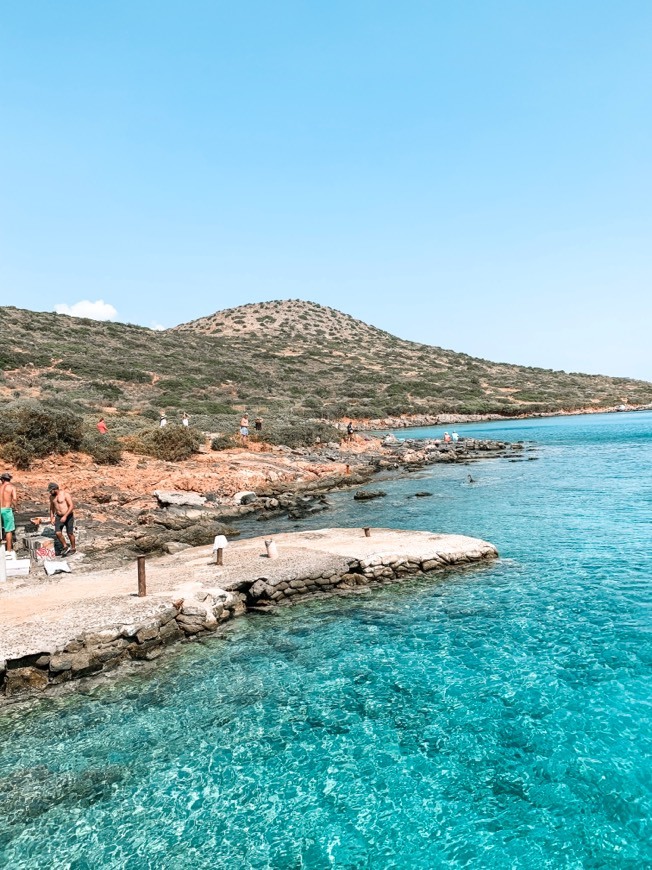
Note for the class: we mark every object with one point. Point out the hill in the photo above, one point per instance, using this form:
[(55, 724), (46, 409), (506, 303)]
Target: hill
[(279, 359)]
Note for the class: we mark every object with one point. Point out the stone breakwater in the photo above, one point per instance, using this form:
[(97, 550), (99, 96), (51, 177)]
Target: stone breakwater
[(36, 654)]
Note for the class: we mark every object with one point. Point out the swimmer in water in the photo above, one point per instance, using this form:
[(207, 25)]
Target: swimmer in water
[(470, 479)]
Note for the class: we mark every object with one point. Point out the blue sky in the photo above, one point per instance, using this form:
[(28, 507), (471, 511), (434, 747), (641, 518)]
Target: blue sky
[(475, 175)]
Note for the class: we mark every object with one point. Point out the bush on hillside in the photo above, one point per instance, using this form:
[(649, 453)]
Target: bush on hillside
[(28, 433), (171, 443), (104, 449), (16, 455), (303, 433), (224, 442)]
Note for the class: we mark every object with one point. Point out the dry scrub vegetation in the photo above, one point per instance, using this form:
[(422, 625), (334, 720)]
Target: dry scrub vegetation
[(288, 361)]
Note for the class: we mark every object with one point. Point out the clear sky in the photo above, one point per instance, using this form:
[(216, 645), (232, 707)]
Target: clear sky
[(475, 175)]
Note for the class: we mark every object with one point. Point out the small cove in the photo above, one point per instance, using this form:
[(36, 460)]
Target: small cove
[(494, 717)]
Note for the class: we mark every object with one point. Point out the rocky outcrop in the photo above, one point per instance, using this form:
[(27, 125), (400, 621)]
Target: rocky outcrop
[(166, 499)]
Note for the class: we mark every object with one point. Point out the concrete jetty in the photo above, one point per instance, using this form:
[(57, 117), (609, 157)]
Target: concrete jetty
[(56, 629)]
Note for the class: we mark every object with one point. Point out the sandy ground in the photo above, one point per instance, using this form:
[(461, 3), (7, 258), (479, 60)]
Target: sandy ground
[(43, 615)]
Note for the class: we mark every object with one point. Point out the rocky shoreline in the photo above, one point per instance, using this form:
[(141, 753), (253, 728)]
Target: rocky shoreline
[(114, 528), (410, 421)]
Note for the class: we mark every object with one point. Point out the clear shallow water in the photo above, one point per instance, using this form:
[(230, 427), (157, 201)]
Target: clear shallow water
[(498, 717)]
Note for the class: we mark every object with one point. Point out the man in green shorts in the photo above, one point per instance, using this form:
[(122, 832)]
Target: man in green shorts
[(7, 508)]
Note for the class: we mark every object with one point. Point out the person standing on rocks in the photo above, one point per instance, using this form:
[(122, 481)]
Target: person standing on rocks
[(185, 420), (61, 514), (7, 508), (258, 424), (164, 420), (244, 427)]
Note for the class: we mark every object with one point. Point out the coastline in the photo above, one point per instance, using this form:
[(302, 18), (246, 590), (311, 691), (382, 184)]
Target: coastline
[(154, 507), (93, 622), (69, 626), (409, 421)]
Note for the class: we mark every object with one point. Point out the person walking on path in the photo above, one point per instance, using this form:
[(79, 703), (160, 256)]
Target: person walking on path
[(349, 431), (102, 428), (61, 514), (244, 427), (185, 420), (7, 508)]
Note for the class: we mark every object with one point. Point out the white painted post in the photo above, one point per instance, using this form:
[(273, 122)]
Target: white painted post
[(219, 545), (3, 565), (272, 552)]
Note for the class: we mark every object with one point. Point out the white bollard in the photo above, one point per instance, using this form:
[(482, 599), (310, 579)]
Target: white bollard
[(272, 552), (3, 566), (219, 545)]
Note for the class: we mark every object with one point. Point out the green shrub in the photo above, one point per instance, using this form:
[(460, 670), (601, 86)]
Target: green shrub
[(107, 390), (171, 443), (223, 442), (28, 433), (104, 449), (16, 455), (303, 433)]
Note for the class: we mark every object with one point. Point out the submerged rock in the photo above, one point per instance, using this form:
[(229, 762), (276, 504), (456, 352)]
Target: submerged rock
[(368, 494)]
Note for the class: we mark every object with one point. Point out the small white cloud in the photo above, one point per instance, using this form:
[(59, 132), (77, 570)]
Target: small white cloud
[(157, 327), (99, 310)]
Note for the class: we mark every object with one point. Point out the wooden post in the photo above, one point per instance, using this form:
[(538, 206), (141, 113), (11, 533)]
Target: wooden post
[(219, 556), (367, 532), (142, 588)]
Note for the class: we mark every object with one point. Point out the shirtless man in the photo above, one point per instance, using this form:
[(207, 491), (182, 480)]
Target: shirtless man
[(244, 427), (61, 514), (7, 507)]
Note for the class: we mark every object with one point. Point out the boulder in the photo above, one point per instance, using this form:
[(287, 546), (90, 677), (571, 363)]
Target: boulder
[(25, 680), (368, 494), (173, 547), (244, 497), (166, 498)]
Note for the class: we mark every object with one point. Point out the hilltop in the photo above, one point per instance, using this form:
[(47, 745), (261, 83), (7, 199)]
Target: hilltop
[(284, 359)]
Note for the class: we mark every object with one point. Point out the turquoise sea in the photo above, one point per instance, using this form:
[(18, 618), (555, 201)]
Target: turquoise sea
[(498, 717)]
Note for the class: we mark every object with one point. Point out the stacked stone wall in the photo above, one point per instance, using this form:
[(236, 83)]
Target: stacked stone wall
[(104, 649)]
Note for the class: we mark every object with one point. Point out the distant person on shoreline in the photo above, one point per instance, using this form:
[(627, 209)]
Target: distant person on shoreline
[(102, 428), (163, 421), (455, 437), (244, 427), (7, 508), (61, 514), (447, 438), (185, 420)]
